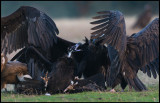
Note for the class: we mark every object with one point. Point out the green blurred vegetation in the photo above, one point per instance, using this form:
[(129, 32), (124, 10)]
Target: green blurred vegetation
[(75, 9), (151, 95)]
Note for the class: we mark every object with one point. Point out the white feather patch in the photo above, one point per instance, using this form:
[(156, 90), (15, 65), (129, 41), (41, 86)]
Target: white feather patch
[(21, 78), (27, 76)]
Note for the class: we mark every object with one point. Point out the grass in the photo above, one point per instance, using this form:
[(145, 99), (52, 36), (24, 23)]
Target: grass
[(152, 95)]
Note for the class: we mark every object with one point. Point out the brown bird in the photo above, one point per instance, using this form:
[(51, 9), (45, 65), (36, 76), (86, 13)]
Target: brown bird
[(31, 29), (144, 18), (12, 72), (27, 26), (139, 51)]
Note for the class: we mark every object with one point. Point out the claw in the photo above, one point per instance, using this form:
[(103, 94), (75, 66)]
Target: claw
[(71, 86)]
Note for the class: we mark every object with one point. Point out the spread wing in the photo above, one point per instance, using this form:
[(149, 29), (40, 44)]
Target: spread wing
[(143, 49), (111, 30), (27, 26)]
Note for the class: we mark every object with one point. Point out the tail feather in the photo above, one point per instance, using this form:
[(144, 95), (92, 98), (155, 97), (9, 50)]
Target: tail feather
[(136, 84), (153, 71)]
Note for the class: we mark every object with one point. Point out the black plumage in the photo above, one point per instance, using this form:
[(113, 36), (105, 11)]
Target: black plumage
[(27, 26)]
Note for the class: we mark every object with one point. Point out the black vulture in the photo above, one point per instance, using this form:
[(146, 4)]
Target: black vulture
[(91, 58), (144, 18), (139, 51), (27, 29)]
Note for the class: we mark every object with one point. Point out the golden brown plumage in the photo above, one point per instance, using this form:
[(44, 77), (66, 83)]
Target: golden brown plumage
[(12, 72), (140, 51)]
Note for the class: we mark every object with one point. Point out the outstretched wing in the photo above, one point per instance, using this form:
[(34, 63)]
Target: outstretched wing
[(111, 30), (143, 49), (27, 26)]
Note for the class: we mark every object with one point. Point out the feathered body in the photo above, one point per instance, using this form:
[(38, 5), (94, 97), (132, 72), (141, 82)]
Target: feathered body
[(13, 72)]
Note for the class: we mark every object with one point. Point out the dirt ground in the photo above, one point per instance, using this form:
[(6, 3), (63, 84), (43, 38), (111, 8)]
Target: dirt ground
[(75, 30)]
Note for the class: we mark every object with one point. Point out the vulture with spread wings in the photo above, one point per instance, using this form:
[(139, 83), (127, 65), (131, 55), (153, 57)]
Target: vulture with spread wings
[(139, 51), (32, 30)]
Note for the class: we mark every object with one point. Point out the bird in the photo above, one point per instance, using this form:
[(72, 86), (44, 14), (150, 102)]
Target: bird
[(92, 58), (144, 18), (30, 29), (59, 78), (140, 51), (12, 72)]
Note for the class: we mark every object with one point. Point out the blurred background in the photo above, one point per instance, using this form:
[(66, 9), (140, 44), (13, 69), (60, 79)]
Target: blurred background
[(76, 9), (73, 17)]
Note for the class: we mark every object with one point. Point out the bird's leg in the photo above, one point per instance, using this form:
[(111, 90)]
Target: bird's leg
[(15, 87), (46, 79), (71, 86), (5, 87)]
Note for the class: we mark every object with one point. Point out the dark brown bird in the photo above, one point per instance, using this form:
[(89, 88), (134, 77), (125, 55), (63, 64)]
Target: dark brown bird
[(12, 72), (28, 28), (61, 75), (140, 51), (144, 18)]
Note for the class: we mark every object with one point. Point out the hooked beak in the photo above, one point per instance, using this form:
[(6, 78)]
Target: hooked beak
[(74, 49)]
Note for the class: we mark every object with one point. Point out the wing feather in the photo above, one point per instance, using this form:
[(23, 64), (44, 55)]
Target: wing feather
[(146, 49), (27, 26), (111, 29)]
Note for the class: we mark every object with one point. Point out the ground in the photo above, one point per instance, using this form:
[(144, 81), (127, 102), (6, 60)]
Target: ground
[(75, 30), (151, 95)]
